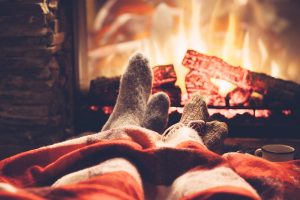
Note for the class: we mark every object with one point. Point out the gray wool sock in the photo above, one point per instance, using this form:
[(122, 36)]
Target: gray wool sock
[(156, 116), (195, 115), (215, 134), (195, 109), (135, 89)]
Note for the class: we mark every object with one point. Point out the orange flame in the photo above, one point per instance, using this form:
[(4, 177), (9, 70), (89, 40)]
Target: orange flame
[(175, 28)]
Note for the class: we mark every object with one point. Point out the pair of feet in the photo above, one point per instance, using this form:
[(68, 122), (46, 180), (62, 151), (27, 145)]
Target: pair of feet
[(134, 107)]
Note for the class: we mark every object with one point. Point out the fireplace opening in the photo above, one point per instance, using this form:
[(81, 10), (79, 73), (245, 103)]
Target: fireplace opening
[(240, 54)]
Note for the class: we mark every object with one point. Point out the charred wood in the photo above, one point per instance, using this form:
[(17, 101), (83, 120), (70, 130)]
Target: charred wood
[(164, 74), (104, 91), (275, 92), (173, 91)]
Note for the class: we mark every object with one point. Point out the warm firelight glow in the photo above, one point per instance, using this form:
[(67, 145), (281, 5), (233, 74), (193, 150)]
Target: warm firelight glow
[(230, 113), (224, 86), (167, 31), (275, 69)]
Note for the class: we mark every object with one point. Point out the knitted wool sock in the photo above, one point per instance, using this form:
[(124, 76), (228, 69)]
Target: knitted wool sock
[(156, 117), (195, 109), (195, 115), (215, 134), (135, 88)]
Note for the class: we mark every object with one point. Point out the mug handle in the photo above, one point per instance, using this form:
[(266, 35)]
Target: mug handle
[(258, 152)]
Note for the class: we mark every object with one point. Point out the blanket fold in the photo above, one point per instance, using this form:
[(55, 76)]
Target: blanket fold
[(188, 170)]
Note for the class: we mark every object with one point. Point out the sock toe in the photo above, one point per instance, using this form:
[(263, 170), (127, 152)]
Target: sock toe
[(215, 134), (156, 116), (195, 109), (135, 89)]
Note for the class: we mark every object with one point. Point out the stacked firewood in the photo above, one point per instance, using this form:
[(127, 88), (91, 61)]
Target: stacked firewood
[(32, 68)]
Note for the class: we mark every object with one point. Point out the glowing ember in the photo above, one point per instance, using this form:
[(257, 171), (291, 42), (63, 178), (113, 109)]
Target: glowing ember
[(230, 113), (164, 74), (224, 87), (107, 109), (287, 112), (216, 79), (165, 30), (94, 108)]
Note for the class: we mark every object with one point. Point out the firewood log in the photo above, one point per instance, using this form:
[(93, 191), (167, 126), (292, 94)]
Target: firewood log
[(276, 92)]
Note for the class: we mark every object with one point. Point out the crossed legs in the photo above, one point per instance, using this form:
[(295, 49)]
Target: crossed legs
[(134, 108)]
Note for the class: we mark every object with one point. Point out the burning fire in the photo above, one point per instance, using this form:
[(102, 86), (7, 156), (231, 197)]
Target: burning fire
[(165, 31)]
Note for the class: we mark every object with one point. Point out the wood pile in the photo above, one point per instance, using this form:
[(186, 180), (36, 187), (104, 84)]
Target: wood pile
[(33, 64)]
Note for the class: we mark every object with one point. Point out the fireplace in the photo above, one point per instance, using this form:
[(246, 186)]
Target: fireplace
[(259, 36), (62, 62)]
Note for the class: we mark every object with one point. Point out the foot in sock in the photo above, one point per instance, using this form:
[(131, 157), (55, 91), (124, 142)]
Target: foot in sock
[(215, 133), (135, 89), (156, 116), (195, 115), (195, 109)]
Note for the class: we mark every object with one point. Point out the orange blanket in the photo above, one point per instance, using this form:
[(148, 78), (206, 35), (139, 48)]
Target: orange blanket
[(187, 170)]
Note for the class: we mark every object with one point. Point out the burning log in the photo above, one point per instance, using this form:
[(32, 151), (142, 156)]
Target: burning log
[(172, 91), (238, 96), (275, 92), (104, 91), (164, 78), (214, 67), (164, 74)]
